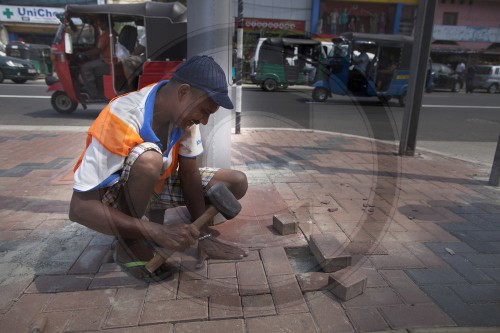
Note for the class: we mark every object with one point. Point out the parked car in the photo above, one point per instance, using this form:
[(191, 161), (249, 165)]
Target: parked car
[(487, 77), (445, 78), (17, 70)]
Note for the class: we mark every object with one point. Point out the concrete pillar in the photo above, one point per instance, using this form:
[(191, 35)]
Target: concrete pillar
[(210, 28)]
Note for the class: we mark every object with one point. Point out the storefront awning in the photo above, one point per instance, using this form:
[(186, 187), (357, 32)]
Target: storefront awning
[(459, 47)]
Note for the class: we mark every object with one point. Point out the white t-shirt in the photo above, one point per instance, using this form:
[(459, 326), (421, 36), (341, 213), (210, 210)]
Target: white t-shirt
[(104, 155)]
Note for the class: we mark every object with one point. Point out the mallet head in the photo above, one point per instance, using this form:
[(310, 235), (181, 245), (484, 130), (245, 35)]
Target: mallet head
[(223, 200)]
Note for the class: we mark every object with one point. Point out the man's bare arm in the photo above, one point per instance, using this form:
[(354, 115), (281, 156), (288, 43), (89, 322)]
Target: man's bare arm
[(87, 209)]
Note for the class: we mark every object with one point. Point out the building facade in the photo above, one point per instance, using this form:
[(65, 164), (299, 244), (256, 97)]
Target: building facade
[(462, 28), (467, 30)]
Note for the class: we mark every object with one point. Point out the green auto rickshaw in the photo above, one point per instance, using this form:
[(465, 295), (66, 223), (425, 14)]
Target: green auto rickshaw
[(37, 54), (282, 62)]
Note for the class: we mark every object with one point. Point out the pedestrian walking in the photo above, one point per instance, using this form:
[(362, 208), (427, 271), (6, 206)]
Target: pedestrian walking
[(460, 70), (469, 79)]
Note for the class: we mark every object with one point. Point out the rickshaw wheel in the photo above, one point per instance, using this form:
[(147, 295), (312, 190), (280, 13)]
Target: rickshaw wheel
[(269, 85), (62, 103), (402, 99), (319, 94), (384, 99)]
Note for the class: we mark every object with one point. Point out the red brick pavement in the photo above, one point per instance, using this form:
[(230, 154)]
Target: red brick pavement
[(52, 267)]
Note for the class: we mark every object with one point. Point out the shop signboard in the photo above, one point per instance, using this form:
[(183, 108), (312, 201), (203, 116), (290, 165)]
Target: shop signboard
[(395, 2), (258, 24), (29, 14), (466, 33)]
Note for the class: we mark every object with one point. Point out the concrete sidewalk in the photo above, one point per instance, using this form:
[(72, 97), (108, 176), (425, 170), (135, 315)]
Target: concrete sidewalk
[(423, 230)]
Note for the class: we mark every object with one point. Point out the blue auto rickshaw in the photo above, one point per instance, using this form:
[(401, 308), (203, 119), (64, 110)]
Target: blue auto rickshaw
[(385, 75)]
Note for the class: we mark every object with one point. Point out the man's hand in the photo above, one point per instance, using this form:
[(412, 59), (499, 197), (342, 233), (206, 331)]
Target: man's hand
[(175, 236)]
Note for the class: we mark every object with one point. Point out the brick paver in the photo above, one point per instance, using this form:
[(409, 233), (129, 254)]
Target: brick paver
[(347, 283), (258, 305), (329, 252), (251, 278), (175, 311), (375, 297), (59, 283), (275, 261), (327, 312), (90, 260), (222, 270), (367, 319), (24, 312), (405, 287), (221, 326), (126, 308), (285, 223), (81, 300), (286, 293), (292, 323), (207, 287), (422, 315), (11, 292), (426, 236), (225, 306)]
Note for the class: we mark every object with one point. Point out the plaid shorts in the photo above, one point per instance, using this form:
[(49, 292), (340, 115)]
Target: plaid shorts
[(171, 196)]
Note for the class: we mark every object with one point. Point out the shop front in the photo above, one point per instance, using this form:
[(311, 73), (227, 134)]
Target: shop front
[(467, 44), (333, 17), (28, 23)]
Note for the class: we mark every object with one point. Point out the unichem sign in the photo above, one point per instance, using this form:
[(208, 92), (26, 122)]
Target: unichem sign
[(29, 14)]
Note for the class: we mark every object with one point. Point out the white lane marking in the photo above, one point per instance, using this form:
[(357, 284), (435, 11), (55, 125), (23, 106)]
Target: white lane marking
[(51, 128), (461, 106), (433, 106), (21, 96)]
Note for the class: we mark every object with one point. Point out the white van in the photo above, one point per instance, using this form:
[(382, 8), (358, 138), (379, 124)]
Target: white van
[(487, 77)]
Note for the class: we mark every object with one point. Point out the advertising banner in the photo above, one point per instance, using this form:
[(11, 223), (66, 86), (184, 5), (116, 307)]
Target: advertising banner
[(257, 24), (29, 14), (404, 2), (466, 34)]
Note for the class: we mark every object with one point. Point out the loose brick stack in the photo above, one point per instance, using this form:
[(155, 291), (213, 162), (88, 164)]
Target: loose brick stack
[(344, 281)]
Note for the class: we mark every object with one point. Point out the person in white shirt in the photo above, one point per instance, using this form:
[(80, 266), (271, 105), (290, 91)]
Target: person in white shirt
[(460, 70), (361, 61)]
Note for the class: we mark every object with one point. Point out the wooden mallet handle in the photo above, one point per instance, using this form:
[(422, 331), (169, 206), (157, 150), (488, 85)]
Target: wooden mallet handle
[(162, 255)]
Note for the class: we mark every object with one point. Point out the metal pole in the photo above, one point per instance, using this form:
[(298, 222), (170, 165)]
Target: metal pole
[(418, 72), (397, 18), (239, 67), (495, 168)]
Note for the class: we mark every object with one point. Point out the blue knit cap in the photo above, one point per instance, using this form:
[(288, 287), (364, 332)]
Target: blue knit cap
[(204, 73)]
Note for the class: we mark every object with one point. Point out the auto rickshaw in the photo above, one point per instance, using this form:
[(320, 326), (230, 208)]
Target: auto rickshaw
[(160, 27), (281, 62), (385, 76), (37, 54)]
